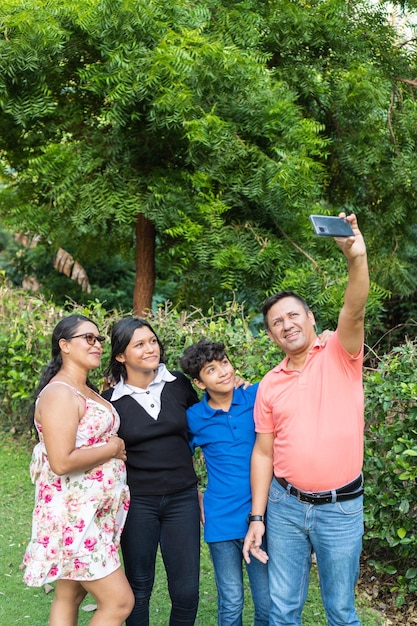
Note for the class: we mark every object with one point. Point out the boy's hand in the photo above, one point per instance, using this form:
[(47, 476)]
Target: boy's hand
[(201, 504), (325, 336)]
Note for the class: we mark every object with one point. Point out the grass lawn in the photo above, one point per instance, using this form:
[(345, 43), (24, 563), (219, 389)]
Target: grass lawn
[(30, 606)]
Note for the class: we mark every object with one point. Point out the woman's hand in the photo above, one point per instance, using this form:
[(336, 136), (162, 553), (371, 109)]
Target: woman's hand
[(239, 382), (108, 383), (119, 445)]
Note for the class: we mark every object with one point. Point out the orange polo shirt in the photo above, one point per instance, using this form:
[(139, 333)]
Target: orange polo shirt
[(317, 417)]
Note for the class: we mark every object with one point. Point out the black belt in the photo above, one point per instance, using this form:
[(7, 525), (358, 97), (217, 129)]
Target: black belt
[(348, 492)]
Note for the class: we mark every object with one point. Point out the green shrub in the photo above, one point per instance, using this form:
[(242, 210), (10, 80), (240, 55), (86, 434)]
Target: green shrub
[(26, 323), (390, 467), (24, 332)]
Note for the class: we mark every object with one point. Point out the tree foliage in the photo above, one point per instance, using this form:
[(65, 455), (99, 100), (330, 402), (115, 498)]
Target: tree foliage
[(225, 124)]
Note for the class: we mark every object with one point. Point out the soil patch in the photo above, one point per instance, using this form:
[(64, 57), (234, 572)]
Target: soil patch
[(376, 589)]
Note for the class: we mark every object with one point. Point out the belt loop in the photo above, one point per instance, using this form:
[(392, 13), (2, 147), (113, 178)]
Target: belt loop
[(334, 496)]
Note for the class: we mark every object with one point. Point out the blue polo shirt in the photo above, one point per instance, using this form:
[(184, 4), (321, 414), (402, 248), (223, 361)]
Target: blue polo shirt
[(227, 439)]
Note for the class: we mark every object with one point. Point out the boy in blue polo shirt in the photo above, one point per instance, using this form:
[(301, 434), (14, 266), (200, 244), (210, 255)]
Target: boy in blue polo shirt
[(222, 426)]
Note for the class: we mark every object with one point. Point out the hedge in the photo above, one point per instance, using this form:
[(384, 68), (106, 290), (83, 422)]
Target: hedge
[(390, 470)]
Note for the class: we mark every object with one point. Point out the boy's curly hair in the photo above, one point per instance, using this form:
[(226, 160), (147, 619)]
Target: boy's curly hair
[(196, 356)]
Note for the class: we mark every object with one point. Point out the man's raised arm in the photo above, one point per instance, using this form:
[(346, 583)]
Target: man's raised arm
[(352, 316)]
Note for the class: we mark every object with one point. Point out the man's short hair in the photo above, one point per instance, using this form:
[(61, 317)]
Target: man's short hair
[(196, 356), (276, 297)]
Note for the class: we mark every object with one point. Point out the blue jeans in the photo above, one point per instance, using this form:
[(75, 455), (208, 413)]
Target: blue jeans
[(334, 533), (173, 522), (227, 562)]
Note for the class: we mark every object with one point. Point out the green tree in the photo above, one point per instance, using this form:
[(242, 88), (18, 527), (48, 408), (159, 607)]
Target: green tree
[(207, 132), (354, 74), (141, 114)]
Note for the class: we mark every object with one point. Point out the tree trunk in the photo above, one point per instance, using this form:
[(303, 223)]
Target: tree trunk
[(145, 265)]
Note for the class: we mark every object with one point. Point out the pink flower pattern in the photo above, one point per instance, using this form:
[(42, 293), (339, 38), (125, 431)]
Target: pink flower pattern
[(89, 543), (78, 518)]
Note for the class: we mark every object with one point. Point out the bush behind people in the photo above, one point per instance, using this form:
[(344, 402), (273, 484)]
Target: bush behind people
[(390, 468)]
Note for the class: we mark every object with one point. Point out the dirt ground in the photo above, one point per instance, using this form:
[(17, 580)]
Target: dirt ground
[(376, 589)]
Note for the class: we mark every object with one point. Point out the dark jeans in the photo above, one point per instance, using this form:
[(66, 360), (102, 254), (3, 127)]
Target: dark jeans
[(173, 522)]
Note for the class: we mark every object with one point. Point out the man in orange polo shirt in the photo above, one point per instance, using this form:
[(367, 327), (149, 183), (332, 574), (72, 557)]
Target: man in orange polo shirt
[(307, 460)]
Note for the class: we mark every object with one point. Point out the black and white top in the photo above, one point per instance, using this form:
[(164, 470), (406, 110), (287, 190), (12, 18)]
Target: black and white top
[(159, 459)]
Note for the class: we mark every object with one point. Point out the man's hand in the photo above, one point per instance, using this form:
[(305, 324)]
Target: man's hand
[(350, 327), (253, 541), (352, 247)]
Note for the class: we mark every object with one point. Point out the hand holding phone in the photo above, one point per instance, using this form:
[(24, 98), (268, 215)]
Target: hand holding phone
[(331, 226)]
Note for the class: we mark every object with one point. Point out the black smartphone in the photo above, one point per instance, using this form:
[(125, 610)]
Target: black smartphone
[(331, 226)]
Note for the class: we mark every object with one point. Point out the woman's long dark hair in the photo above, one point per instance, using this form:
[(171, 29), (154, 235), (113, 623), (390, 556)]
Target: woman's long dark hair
[(121, 336), (65, 329)]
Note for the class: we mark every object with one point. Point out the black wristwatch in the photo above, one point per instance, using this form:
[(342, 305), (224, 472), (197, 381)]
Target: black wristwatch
[(255, 518)]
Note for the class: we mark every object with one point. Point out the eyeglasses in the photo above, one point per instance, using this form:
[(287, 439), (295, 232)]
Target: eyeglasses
[(90, 338)]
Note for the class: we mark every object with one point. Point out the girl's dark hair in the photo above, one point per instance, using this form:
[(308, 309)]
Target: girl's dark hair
[(65, 329), (121, 336)]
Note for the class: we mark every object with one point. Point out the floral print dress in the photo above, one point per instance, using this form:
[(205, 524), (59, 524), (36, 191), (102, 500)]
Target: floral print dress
[(78, 517)]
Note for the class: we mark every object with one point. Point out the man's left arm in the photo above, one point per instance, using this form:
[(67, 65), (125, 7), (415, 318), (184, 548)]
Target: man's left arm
[(350, 326)]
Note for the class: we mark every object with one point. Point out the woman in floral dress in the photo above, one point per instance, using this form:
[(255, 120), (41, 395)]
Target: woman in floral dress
[(81, 498)]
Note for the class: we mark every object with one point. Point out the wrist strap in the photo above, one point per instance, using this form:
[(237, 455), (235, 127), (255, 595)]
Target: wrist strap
[(255, 518)]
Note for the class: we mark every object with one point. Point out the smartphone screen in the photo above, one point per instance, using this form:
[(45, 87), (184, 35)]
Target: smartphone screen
[(331, 226)]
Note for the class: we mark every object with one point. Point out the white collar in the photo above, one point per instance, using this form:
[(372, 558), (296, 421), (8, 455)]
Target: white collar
[(122, 389)]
